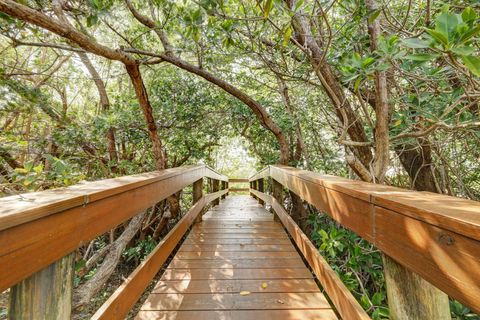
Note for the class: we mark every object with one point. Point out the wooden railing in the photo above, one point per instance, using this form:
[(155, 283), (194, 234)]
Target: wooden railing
[(241, 181), (38, 229), (435, 236)]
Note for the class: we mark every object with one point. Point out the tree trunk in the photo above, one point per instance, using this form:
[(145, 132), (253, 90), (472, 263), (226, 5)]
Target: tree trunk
[(104, 103), (86, 291), (417, 161)]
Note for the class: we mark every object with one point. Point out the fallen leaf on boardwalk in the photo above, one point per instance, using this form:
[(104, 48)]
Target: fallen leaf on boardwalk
[(264, 285), (280, 301), (244, 293)]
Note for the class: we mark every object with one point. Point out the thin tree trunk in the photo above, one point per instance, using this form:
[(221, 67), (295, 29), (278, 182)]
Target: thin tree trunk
[(104, 103), (86, 291)]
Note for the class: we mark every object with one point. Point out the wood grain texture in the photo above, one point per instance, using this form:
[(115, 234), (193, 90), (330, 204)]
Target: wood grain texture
[(322, 314), (37, 229), (235, 301), (209, 277), (213, 274), (46, 294), (436, 236), (235, 286)]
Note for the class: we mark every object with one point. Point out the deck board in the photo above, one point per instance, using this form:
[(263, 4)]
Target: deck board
[(237, 247)]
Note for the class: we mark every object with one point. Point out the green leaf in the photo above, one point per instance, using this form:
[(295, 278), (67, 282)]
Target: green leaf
[(421, 56), (377, 298), (446, 24), (368, 61), (472, 63), (469, 34), (437, 36), (287, 35), (373, 16), (468, 14), (39, 168), (92, 20), (357, 84), (298, 5), (464, 51), (267, 8), (416, 43)]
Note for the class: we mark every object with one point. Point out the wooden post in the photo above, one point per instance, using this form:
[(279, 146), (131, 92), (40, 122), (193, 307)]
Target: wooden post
[(254, 186), (223, 187), (261, 188), (215, 185), (277, 193), (46, 294), (197, 195), (411, 297), (227, 185)]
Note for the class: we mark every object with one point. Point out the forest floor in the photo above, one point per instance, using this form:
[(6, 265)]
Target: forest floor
[(122, 271)]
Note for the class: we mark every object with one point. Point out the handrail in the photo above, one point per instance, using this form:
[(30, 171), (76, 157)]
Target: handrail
[(435, 236), (238, 180), (39, 228)]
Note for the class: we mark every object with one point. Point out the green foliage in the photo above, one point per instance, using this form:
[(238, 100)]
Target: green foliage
[(35, 177), (140, 250), (460, 312), (453, 36), (357, 263)]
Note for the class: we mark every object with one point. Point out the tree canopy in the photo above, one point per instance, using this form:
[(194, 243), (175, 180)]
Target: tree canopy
[(383, 91)]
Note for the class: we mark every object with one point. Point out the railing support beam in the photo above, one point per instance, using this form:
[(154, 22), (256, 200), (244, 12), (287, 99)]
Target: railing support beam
[(46, 294), (277, 193), (410, 296), (223, 187), (215, 187), (261, 188), (197, 195)]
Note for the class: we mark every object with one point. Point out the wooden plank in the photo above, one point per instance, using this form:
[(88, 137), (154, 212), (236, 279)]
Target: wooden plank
[(238, 180), (341, 297), (238, 230), (236, 263), (322, 314), (239, 189), (236, 286), (206, 236), (201, 240), (228, 301), (23, 208), (451, 213), (264, 173), (212, 174), (446, 259), (119, 303), (212, 274), (235, 255), (239, 223), (235, 247), (234, 228)]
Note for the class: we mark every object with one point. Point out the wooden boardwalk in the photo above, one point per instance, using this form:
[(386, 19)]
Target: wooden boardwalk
[(237, 264)]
